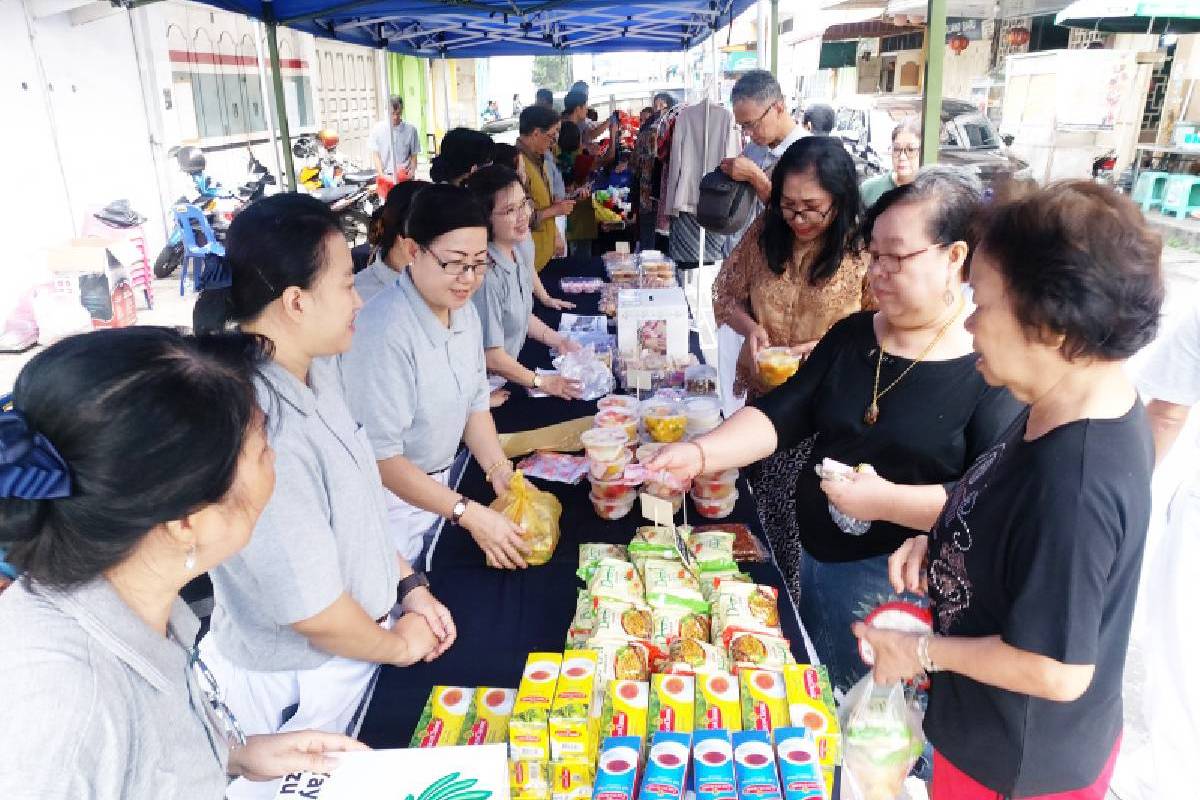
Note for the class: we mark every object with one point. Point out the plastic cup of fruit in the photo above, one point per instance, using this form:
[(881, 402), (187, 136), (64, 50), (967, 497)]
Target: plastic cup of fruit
[(609, 470), (675, 498), (703, 413), (777, 364), (648, 451), (715, 509), (665, 422), (612, 509), (716, 486), (620, 418), (622, 402), (612, 490), (604, 444)]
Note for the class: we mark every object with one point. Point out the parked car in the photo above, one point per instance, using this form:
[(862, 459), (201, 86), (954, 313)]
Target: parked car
[(968, 138)]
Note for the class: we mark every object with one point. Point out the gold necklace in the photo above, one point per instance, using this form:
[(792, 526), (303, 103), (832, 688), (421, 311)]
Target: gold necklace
[(872, 413)]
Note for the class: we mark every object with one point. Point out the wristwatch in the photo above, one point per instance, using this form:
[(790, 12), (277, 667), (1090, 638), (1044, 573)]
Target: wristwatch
[(460, 508), (414, 581), (537, 381)]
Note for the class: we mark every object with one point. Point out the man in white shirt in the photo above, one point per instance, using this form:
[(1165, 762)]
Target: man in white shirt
[(394, 145), (761, 112)]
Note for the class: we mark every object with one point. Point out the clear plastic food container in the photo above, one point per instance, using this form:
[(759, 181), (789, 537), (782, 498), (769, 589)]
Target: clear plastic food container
[(715, 486), (604, 444), (777, 364), (612, 509), (608, 470), (619, 418), (612, 490), (675, 498), (715, 509), (623, 402), (665, 421), (703, 413)]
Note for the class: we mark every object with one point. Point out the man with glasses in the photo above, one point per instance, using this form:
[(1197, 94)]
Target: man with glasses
[(761, 113), (538, 134)]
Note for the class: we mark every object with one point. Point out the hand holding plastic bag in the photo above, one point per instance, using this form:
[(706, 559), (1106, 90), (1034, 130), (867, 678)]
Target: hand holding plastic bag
[(537, 512), (882, 734), (594, 376)]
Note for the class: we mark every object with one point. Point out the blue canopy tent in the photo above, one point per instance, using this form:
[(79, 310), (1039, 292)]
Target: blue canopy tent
[(481, 28)]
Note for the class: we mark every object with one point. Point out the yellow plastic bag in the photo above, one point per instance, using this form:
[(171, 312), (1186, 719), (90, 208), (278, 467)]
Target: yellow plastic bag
[(537, 511)]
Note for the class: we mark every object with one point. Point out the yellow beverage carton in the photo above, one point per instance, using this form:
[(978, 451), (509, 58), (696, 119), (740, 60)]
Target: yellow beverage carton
[(529, 780), (571, 779), (529, 726), (718, 705), (672, 703), (489, 725), (810, 697), (764, 700), (625, 708), (442, 721), (572, 727)]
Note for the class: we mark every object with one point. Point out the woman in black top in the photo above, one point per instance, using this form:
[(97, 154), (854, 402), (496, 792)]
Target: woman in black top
[(918, 413), (1033, 566)]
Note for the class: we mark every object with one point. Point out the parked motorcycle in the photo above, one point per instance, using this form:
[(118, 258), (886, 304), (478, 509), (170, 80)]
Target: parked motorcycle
[(349, 192), (218, 204), (1103, 168)]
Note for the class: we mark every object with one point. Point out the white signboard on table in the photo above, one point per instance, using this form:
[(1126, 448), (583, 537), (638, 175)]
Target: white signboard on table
[(654, 320), (447, 773)]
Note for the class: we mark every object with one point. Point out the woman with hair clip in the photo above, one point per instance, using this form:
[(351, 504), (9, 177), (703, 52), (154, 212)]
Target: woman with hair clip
[(463, 151), (505, 300), (416, 379), (304, 614), (393, 253), (131, 462)]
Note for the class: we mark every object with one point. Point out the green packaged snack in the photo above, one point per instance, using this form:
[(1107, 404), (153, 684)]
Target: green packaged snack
[(590, 554), (713, 551), (668, 583)]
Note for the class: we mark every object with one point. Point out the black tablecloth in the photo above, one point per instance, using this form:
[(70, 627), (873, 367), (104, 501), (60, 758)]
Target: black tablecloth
[(502, 615)]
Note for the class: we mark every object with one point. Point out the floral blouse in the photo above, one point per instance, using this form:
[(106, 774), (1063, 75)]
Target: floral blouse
[(792, 310)]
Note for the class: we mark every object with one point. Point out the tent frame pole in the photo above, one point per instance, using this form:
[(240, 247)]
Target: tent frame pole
[(268, 112), (285, 133), (775, 38), (931, 101)]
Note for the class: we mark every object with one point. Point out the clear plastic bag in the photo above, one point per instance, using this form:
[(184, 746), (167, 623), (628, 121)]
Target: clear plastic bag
[(882, 739), (584, 365)]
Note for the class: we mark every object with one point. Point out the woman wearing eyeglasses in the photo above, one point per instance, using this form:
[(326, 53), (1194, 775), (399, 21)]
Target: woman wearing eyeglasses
[(896, 389), (417, 381), (505, 301), (131, 462), (906, 159), (539, 128)]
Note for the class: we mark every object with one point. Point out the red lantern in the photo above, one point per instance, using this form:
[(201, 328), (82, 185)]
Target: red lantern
[(958, 43), (1018, 37)]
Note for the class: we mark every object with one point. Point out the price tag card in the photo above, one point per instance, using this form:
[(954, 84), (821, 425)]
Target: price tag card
[(639, 379), (623, 247), (658, 511)]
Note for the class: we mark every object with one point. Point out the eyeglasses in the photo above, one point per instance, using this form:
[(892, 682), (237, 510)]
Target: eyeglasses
[(456, 268), (811, 216), (910, 152), (219, 714), (747, 128), (890, 263), (526, 206)]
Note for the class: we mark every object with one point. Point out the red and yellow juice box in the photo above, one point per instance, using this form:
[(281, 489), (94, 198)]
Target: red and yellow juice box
[(571, 779), (529, 779), (572, 727), (445, 713), (672, 703), (764, 700), (529, 726), (810, 697), (718, 704), (492, 710), (626, 705)]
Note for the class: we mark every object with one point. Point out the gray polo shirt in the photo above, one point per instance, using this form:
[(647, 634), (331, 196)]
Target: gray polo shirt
[(97, 704), (323, 532), (412, 381), (374, 279), (505, 300), (395, 144)]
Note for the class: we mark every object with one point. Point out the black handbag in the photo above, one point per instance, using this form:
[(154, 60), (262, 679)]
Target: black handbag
[(725, 205)]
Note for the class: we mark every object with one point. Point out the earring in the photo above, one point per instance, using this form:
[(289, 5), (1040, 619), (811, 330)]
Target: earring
[(189, 563), (948, 298)]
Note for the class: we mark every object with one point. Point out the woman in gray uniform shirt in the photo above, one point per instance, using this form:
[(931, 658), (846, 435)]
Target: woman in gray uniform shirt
[(505, 301), (302, 617), (131, 461), (393, 252), (415, 378)]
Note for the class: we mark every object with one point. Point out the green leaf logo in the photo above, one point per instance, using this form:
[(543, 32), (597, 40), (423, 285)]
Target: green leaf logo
[(449, 787)]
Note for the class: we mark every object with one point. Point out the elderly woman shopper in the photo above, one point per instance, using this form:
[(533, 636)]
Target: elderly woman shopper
[(906, 158), (416, 381), (303, 614), (1032, 567), (539, 128), (135, 461), (896, 389)]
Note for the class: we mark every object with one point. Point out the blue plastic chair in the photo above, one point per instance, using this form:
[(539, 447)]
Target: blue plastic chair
[(1182, 195), (195, 255)]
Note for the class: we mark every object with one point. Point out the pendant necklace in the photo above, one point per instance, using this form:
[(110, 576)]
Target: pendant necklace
[(872, 413)]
